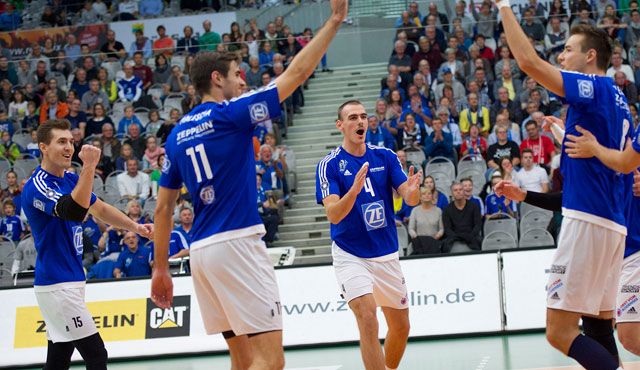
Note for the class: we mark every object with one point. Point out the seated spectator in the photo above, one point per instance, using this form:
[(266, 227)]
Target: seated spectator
[(155, 122), (449, 124), (7, 71), (502, 148), (33, 149), (401, 60), (190, 101), (532, 27), (112, 50), (540, 145), (177, 82), (266, 55), (432, 56), (77, 117), (268, 210), (506, 169), (128, 10), (185, 219), (109, 142), (87, 15), (18, 107), (496, 205), (129, 87), (530, 86), (378, 135), (80, 84), (452, 64), (8, 149), (31, 120), (411, 136), (142, 71), (531, 177), (134, 260), (133, 184), (504, 102), (209, 40), (270, 170), (93, 96), (168, 125), (154, 176), (439, 199), (13, 187), (628, 88), (129, 119), (474, 144), (10, 19), (438, 143), (419, 107), (40, 76), (425, 225), (141, 44), (136, 141), (555, 38), (163, 69), (462, 221), (475, 115), (178, 247), (448, 81), (506, 59), (100, 8), (97, 121), (110, 244), (617, 65), (126, 153), (105, 165), (133, 210), (253, 75), (188, 44), (467, 187), (107, 85), (151, 154), (11, 225), (150, 8)]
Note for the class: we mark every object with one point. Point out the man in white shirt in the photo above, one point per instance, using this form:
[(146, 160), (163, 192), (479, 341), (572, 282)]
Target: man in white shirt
[(530, 177), (133, 184), (617, 66)]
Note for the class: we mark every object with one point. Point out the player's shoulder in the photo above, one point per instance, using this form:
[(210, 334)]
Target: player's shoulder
[(246, 98), (329, 158), (380, 151)]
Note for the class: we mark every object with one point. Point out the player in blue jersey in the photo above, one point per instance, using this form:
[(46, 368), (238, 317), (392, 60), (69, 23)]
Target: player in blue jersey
[(211, 152), (355, 183), (55, 203), (591, 242)]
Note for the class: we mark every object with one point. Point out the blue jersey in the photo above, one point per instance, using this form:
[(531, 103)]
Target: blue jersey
[(369, 230), (134, 263), (11, 227), (594, 192), (92, 230), (632, 243), (58, 242), (177, 243), (211, 151), (270, 179), (495, 204)]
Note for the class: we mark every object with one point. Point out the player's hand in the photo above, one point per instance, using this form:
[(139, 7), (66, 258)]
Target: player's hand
[(361, 176), (339, 10), (583, 146), (414, 180), (162, 288), (90, 156), (145, 231), (548, 120), (636, 183), (510, 191)]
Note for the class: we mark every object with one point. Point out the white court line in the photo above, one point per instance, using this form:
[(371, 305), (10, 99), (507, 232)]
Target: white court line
[(483, 363), (335, 367), (627, 366)]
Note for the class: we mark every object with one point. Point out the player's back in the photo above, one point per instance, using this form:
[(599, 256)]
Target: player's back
[(592, 191), (58, 242), (211, 151)]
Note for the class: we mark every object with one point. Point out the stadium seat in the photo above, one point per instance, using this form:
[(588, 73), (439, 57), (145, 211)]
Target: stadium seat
[(78, 167), (22, 138), (112, 68), (536, 238), (506, 224), (6, 279), (475, 162), (4, 164), (26, 165), (110, 194), (178, 60), (475, 175), (415, 157), (403, 238), (7, 250), (121, 204), (442, 180), (29, 255), (149, 207), (112, 179), (535, 219), (526, 208), (98, 184), (498, 240), (440, 164), (173, 101)]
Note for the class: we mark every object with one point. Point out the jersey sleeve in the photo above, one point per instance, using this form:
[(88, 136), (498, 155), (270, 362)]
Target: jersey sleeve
[(326, 181), (180, 240), (579, 88), (170, 177), (255, 107), (398, 177), (636, 141)]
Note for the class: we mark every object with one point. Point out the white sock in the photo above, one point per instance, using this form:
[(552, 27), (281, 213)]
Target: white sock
[(388, 368)]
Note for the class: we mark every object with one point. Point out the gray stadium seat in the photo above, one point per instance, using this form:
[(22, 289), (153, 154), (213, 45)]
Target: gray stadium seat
[(498, 240), (121, 204), (110, 194), (178, 60), (415, 157), (149, 207), (475, 162), (6, 279), (112, 179), (476, 176), (98, 185), (442, 180), (27, 251), (22, 138), (403, 238), (535, 219), (440, 164), (536, 238), (7, 250), (507, 224), (526, 208)]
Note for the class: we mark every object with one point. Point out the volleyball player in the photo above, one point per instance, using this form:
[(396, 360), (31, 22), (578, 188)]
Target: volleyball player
[(588, 260), (211, 151), (56, 203), (355, 183)]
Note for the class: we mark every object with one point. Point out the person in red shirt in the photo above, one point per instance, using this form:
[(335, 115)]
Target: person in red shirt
[(142, 71), (485, 52), (541, 145), (474, 144), (164, 44)]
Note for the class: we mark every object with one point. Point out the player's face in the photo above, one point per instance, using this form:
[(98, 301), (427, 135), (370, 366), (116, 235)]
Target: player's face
[(231, 84), (60, 150), (572, 57), (353, 123)]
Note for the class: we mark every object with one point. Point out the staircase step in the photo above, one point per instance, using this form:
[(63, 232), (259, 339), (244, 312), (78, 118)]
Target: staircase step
[(332, 139), (303, 197), (306, 242), (322, 250), (302, 219), (315, 226), (298, 210)]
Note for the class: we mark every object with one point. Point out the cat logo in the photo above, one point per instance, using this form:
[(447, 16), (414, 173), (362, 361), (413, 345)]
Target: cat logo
[(169, 322)]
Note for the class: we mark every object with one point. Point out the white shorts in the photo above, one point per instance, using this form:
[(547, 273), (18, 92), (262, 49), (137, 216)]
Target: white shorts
[(586, 268), (629, 292), (236, 287), (360, 276), (65, 314)]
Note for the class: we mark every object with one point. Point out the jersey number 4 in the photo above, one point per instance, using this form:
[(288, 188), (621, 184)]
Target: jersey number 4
[(368, 187), (191, 152)]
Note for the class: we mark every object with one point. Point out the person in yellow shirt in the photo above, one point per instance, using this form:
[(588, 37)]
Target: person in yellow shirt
[(474, 115)]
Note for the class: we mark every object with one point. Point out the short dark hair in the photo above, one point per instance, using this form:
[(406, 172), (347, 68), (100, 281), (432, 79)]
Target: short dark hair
[(526, 150), (138, 53), (348, 102), (44, 130), (597, 40), (466, 179), (160, 27), (205, 64), (530, 122)]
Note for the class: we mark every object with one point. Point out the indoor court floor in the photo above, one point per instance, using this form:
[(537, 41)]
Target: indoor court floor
[(512, 352)]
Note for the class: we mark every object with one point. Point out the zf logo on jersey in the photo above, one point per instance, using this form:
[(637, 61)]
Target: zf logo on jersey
[(374, 217), (77, 238), (259, 112), (169, 322), (585, 89)]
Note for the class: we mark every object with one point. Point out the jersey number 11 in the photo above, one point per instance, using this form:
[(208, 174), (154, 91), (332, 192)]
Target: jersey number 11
[(203, 158)]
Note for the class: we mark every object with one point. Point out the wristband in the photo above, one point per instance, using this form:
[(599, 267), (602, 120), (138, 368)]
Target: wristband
[(503, 3)]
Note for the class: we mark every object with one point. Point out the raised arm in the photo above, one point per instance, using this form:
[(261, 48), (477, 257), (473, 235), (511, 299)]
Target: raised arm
[(112, 216), (306, 61), (524, 53), (587, 146), (410, 189)]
